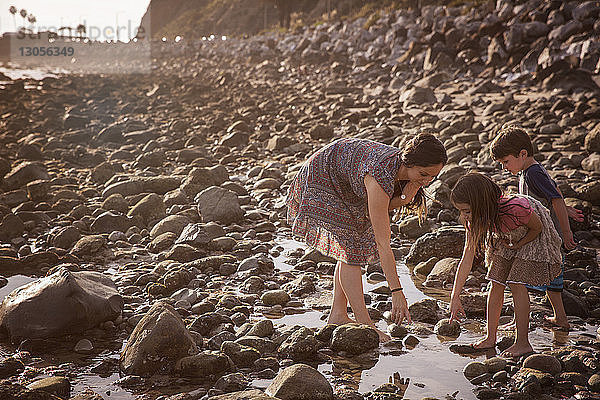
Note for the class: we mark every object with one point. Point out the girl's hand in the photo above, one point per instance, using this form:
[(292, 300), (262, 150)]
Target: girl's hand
[(456, 309), (400, 308), (575, 213)]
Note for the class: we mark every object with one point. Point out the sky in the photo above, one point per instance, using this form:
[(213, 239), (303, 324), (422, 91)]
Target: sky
[(100, 17)]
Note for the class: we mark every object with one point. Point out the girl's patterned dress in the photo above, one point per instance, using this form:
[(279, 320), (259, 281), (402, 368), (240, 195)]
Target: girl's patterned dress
[(327, 200), (536, 263)]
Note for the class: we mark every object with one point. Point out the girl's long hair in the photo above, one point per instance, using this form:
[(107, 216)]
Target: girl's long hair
[(487, 204), (484, 197), (424, 150)]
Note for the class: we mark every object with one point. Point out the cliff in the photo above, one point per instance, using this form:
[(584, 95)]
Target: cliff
[(197, 18)]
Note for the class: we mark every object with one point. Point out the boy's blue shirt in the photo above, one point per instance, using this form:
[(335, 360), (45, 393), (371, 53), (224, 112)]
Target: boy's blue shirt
[(534, 181)]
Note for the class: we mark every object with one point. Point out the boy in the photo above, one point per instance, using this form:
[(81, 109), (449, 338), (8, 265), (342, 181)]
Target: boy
[(512, 147)]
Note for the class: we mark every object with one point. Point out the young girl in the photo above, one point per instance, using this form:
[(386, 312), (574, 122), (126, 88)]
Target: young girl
[(521, 247)]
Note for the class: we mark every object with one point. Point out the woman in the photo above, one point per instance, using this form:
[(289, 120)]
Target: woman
[(339, 204)]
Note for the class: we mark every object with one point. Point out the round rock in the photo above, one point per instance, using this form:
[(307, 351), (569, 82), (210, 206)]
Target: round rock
[(273, 297), (544, 363), (474, 369), (300, 382)]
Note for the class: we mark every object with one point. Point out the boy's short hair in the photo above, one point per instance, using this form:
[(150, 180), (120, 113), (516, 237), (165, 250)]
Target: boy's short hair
[(510, 141)]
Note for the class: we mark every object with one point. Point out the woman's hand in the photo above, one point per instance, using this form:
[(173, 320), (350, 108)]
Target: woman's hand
[(400, 308), (456, 309)]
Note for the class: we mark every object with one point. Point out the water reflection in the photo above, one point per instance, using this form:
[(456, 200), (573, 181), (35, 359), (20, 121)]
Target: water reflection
[(14, 282)]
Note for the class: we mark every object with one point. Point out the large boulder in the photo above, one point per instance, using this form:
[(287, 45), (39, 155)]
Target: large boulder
[(273, 297), (65, 237), (207, 364), (137, 185), (446, 242), (108, 222), (425, 310), (354, 338), (418, 95), (218, 204), (302, 345), (61, 303), (157, 343), (253, 394), (11, 227), (14, 391), (412, 228), (592, 140), (543, 362), (172, 223), (443, 271), (150, 208), (88, 245), (24, 173), (300, 382)]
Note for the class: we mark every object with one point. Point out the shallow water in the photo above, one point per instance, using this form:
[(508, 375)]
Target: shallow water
[(25, 73), (14, 282), (432, 368)]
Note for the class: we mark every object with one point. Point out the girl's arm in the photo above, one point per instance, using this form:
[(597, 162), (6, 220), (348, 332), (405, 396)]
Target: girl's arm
[(378, 203), (534, 227), (464, 267)]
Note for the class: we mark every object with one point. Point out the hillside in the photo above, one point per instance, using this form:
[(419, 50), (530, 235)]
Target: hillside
[(197, 18)]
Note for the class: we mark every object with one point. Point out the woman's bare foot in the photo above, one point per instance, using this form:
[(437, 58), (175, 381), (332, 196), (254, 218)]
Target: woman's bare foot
[(517, 350), (484, 344), (562, 324), (339, 319)]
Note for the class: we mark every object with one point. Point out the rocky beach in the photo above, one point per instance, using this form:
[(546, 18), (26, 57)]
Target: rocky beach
[(144, 249)]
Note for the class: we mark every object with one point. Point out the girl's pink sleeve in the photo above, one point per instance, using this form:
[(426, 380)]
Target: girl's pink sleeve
[(516, 213), (521, 209)]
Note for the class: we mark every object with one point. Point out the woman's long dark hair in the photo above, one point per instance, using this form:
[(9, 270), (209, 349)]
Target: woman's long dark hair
[(484, 197), (424, 150)]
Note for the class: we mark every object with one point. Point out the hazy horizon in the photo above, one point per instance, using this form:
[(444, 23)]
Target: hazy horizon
[(100, 18)]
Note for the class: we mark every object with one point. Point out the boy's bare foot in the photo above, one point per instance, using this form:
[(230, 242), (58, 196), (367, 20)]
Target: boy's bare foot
[(517, 350), (562, 324)]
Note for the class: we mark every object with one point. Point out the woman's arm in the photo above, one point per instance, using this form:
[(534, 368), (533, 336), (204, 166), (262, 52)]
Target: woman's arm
[(378, 203), (462, 272), (534, 227)]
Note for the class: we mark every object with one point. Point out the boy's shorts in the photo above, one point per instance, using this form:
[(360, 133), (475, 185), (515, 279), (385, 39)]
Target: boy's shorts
[(557, 283)]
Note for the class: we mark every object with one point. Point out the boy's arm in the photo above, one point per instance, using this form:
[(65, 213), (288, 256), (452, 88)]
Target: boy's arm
[(572, 212), (546, 188), (560, 208)]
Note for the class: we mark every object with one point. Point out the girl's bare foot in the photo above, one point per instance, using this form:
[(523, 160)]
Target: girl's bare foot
[(517, 350), (484, 344), (562, 324)]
